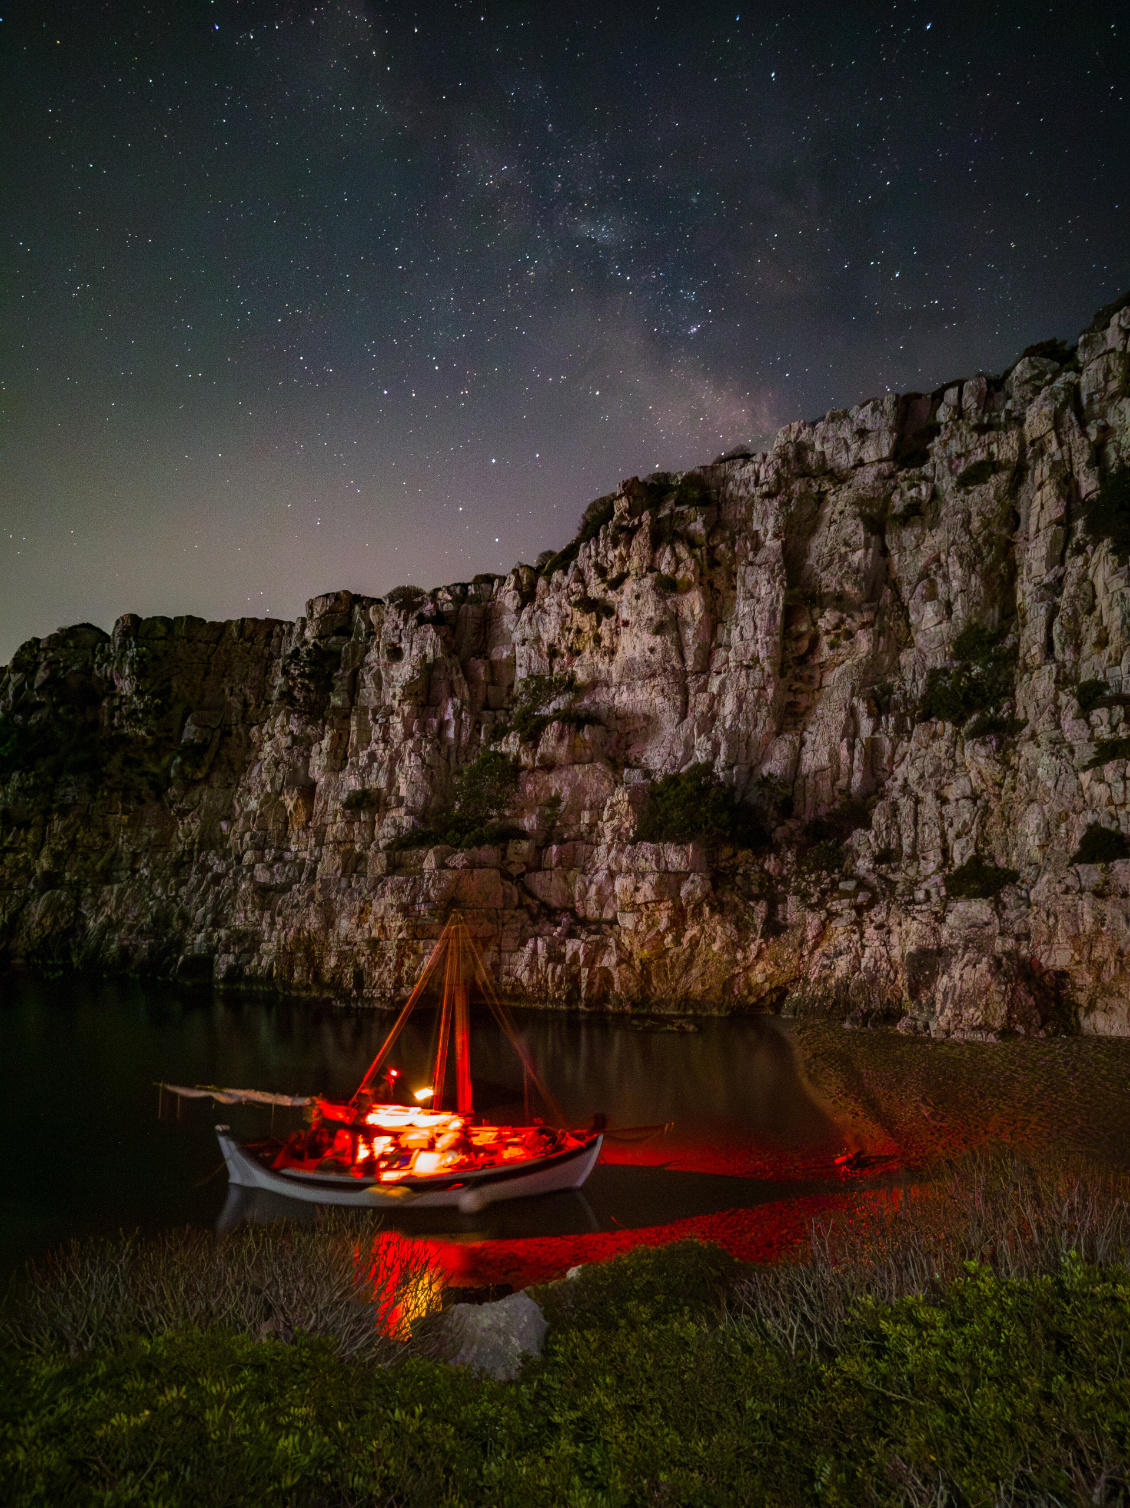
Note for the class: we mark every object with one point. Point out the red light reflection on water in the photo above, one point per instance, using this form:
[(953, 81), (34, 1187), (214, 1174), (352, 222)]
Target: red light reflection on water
[(769, 1233)]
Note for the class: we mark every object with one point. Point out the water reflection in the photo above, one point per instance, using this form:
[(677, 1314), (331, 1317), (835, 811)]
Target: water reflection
[(79, 1060)]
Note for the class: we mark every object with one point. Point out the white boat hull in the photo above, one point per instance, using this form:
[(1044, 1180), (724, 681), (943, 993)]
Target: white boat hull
[(470, 1193)]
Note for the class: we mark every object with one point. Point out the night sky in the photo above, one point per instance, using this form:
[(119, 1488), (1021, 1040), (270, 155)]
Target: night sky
[(302, 296)]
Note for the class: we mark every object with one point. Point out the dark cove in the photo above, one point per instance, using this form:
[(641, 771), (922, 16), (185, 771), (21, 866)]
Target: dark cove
[(79, 1060)]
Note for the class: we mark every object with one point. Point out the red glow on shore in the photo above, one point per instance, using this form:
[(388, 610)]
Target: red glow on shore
[(769, 1233)]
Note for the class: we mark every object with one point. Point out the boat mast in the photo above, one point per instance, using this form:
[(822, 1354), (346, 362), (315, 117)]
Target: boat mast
[(439, 1072), (462, 1027), (463, 966), (454, 1015)]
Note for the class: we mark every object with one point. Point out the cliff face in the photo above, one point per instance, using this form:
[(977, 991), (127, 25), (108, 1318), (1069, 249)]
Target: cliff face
[(874, 634)]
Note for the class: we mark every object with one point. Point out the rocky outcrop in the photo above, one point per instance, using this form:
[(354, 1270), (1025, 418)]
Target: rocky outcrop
[(873, 634)]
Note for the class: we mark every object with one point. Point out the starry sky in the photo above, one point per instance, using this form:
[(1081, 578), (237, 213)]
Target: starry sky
[(297, 296)]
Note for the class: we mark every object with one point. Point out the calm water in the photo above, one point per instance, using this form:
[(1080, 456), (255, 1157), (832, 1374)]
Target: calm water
[(88, 1153)]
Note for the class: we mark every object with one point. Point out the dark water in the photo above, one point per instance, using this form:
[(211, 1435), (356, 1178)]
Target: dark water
[(87, 1152)]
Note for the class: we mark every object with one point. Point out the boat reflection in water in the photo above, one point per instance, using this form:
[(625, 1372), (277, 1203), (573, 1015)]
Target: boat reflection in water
[(377, 1152)]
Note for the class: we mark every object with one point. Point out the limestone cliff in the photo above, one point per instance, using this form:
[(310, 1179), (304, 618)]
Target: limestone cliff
[(875, 635)]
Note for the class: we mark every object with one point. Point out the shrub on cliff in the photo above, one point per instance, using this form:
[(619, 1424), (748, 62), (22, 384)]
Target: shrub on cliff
[(1107, 514), (827, 836), (977, 880), (912, 449), (977, 474), (691, 490), (364, 800), (694, 805), (57, 741), (1107, 749), (307, 677), (1091, 695), (596, 515), (1101, 845), (406, 599), (977, 686), (484, 792), (535, 695)]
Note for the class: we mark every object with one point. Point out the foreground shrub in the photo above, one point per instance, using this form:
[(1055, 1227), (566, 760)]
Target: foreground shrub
[(341, 1278), (1022, 1218), (991, 1392), (981, 1357), (650, 1284)]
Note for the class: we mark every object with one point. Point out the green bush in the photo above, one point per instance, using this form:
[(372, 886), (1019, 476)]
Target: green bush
[(1050, 350), (990, 725), (694, 805), (689, 491), (484, 792), (1092, 694), (772, 799), (907, 513), (1107, 749), (1107, 514), (362, 801), (977, 474), (1101, 845), (596, 515), (52, 742), (650, 1284), (838, 824), (307, 677), (977, 1389), (824, 856), (978, 881), (407, 599), (913, 450), (535, 694), (595, 606), (982, 681), (963, 1340), (577, 717)]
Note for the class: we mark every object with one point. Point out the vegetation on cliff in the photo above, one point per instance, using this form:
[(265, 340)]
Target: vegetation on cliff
[(694, 805), (1101, 845), (483, 795), (974, 690), (1107, 514), (978, 880)]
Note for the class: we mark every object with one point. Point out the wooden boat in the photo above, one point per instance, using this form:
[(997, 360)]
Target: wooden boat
[(564, 1165), (375, 1151)]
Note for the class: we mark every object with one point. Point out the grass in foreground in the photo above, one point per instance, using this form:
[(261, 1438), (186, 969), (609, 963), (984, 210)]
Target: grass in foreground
[(970, 1345)]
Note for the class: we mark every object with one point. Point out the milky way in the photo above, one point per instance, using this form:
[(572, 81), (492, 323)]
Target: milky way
[(302, 296)]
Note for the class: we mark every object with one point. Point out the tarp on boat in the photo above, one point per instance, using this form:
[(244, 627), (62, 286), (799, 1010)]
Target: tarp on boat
[(237, 1096)]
